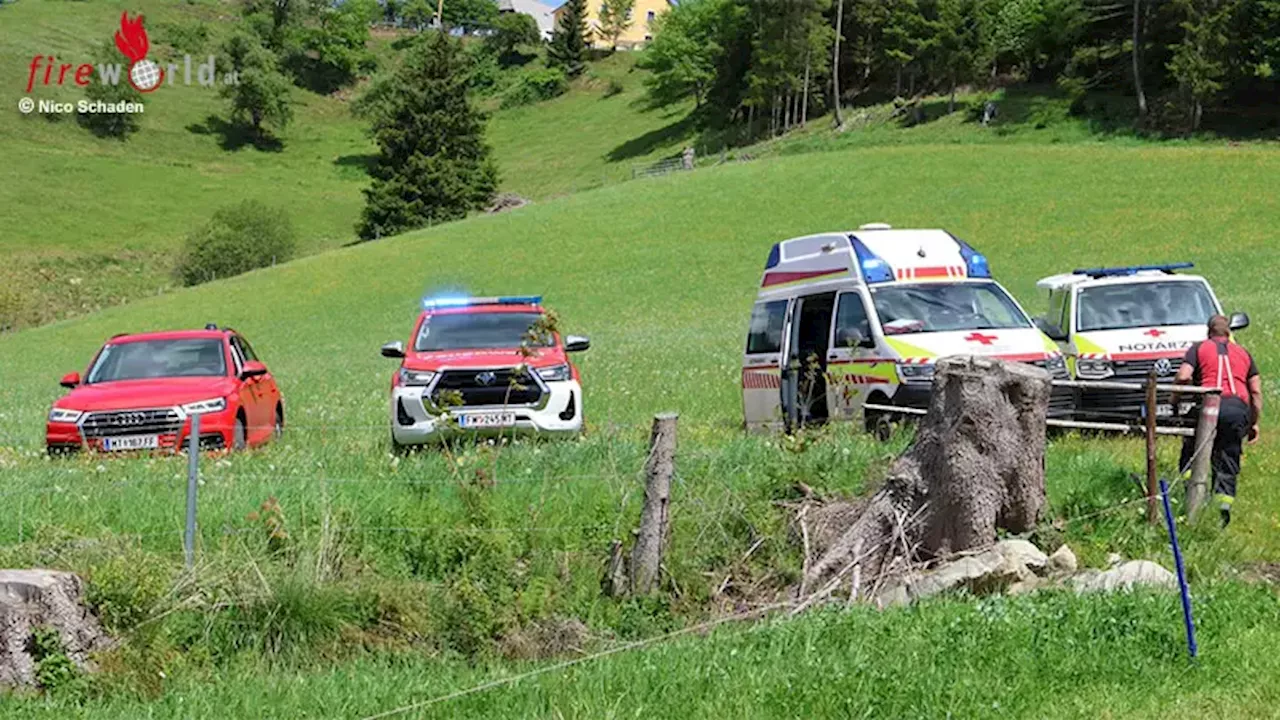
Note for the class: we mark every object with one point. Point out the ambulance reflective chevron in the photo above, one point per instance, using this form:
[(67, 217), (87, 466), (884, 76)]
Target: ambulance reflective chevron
[(1123, 322), (846, 318)]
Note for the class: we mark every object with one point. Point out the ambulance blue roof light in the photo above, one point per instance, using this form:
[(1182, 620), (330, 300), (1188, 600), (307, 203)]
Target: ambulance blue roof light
[(975, 262), (874, 269), (456, 301), (1132, 269)]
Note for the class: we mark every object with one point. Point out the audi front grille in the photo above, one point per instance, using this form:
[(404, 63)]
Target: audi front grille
[(117, 423)]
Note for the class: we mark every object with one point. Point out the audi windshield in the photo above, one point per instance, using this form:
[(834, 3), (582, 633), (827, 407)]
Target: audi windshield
[(147, 359), (478, 331), (943, 307), (1150, 304)]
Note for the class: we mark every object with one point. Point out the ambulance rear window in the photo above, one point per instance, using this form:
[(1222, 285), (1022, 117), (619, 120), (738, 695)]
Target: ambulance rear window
[(765, 334)]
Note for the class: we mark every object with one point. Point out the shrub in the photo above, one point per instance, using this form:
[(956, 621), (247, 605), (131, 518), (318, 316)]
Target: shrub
[(536, 86), (613, 88), (238, 239)]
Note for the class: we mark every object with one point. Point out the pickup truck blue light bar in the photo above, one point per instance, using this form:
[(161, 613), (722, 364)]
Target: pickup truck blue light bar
[(1131, 269), (444, 302)]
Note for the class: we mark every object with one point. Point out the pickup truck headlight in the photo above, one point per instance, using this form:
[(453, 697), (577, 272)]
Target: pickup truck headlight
[(416, 378), (63, 415), (556, 373), (1094, 369), (212, 405), (916, 373)]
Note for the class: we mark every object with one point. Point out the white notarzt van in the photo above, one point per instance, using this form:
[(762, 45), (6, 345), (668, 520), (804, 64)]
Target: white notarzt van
[(848, 318)]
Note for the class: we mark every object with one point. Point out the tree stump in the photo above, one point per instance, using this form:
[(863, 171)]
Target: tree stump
[(977, 464), (31, 599)]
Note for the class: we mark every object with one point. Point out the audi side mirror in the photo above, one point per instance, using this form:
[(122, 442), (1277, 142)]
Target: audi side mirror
[(1239, 321), (576, 343), (393, 350), (253, 369), (70, 380)]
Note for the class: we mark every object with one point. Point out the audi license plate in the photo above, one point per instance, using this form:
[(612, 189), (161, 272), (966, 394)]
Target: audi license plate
[(132, 442), (487, 420)]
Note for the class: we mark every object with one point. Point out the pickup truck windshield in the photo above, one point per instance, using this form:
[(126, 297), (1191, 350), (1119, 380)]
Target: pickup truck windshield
[(941, 307), (476, 331), (1148, 304), (159, 359)]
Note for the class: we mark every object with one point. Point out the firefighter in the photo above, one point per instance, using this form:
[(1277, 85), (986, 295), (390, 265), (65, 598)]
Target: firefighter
[(1220, 363)]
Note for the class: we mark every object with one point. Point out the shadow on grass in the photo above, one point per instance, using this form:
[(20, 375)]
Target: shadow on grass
[(652, 140), (356, 165), (234, 136)]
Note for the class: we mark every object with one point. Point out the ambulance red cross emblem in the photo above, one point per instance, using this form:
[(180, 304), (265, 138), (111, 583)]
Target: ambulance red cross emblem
[(1153, 333), (980, 338)]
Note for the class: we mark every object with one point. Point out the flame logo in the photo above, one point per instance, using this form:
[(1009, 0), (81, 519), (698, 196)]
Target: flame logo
[(131, 38)]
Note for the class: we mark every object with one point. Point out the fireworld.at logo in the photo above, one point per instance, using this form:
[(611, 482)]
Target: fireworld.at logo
[(143, 73)]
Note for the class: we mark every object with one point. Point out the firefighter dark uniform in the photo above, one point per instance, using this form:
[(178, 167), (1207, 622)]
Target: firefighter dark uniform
[(1220, 363)]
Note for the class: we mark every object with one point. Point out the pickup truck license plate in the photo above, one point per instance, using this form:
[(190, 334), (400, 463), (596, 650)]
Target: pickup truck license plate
[(487, 420), (131, 442)]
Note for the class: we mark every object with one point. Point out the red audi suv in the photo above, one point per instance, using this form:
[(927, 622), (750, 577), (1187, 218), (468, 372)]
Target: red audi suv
[(141, 391)]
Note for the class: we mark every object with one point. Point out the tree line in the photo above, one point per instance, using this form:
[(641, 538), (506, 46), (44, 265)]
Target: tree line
[(764, 66)]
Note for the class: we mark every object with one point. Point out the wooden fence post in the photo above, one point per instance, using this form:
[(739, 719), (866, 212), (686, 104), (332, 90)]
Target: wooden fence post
[(1206, 429), (1151, 448), (646, 556)]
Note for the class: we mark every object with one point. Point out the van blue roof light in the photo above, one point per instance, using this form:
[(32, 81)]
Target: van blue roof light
[(455, 301), (976, 265), (1132, 269), (874, 269)]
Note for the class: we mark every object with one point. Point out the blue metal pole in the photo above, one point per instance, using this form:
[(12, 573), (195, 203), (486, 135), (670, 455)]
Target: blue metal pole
[(1182, 574)]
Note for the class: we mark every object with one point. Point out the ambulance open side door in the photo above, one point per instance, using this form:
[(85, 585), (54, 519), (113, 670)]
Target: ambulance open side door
[(762, 365), (852, 346)]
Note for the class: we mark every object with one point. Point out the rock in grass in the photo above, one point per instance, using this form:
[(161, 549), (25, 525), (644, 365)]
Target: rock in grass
[(34, 599), (1063, 561), (1125, 576), (1025, 554)]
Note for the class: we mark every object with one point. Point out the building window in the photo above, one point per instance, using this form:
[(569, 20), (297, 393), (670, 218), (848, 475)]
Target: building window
[(649, 17)]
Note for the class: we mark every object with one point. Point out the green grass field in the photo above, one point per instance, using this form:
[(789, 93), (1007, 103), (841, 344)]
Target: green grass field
[(404, 579)]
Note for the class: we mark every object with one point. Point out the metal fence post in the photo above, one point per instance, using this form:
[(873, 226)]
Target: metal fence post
[(193, 473), (1151, 447)]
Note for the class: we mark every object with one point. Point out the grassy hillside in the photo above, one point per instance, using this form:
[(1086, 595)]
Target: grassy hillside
[(387, 555)]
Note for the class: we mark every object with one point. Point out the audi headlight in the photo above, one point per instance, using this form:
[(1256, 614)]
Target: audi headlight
[(212, 405), (556, 373), (916, 373), (63, 415), (416, 378), (1094, 369)]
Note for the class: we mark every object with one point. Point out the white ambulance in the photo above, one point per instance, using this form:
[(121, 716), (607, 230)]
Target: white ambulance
[(1121, 323), (854, 317)]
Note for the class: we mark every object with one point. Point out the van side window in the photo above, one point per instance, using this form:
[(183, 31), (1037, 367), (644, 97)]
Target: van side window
[(765, 335), (851, 315)]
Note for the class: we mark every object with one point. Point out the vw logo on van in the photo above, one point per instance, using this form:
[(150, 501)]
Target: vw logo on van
[(1163, 367), (486, 378)]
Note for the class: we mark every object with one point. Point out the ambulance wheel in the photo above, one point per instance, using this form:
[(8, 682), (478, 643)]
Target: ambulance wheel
[(880, 426)]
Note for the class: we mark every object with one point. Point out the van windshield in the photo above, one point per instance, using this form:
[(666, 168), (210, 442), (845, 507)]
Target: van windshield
[(1149, 304), (942, 307)]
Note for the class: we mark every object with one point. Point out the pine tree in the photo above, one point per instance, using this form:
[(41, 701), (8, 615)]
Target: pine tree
[(568, 50), (433, 164)]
